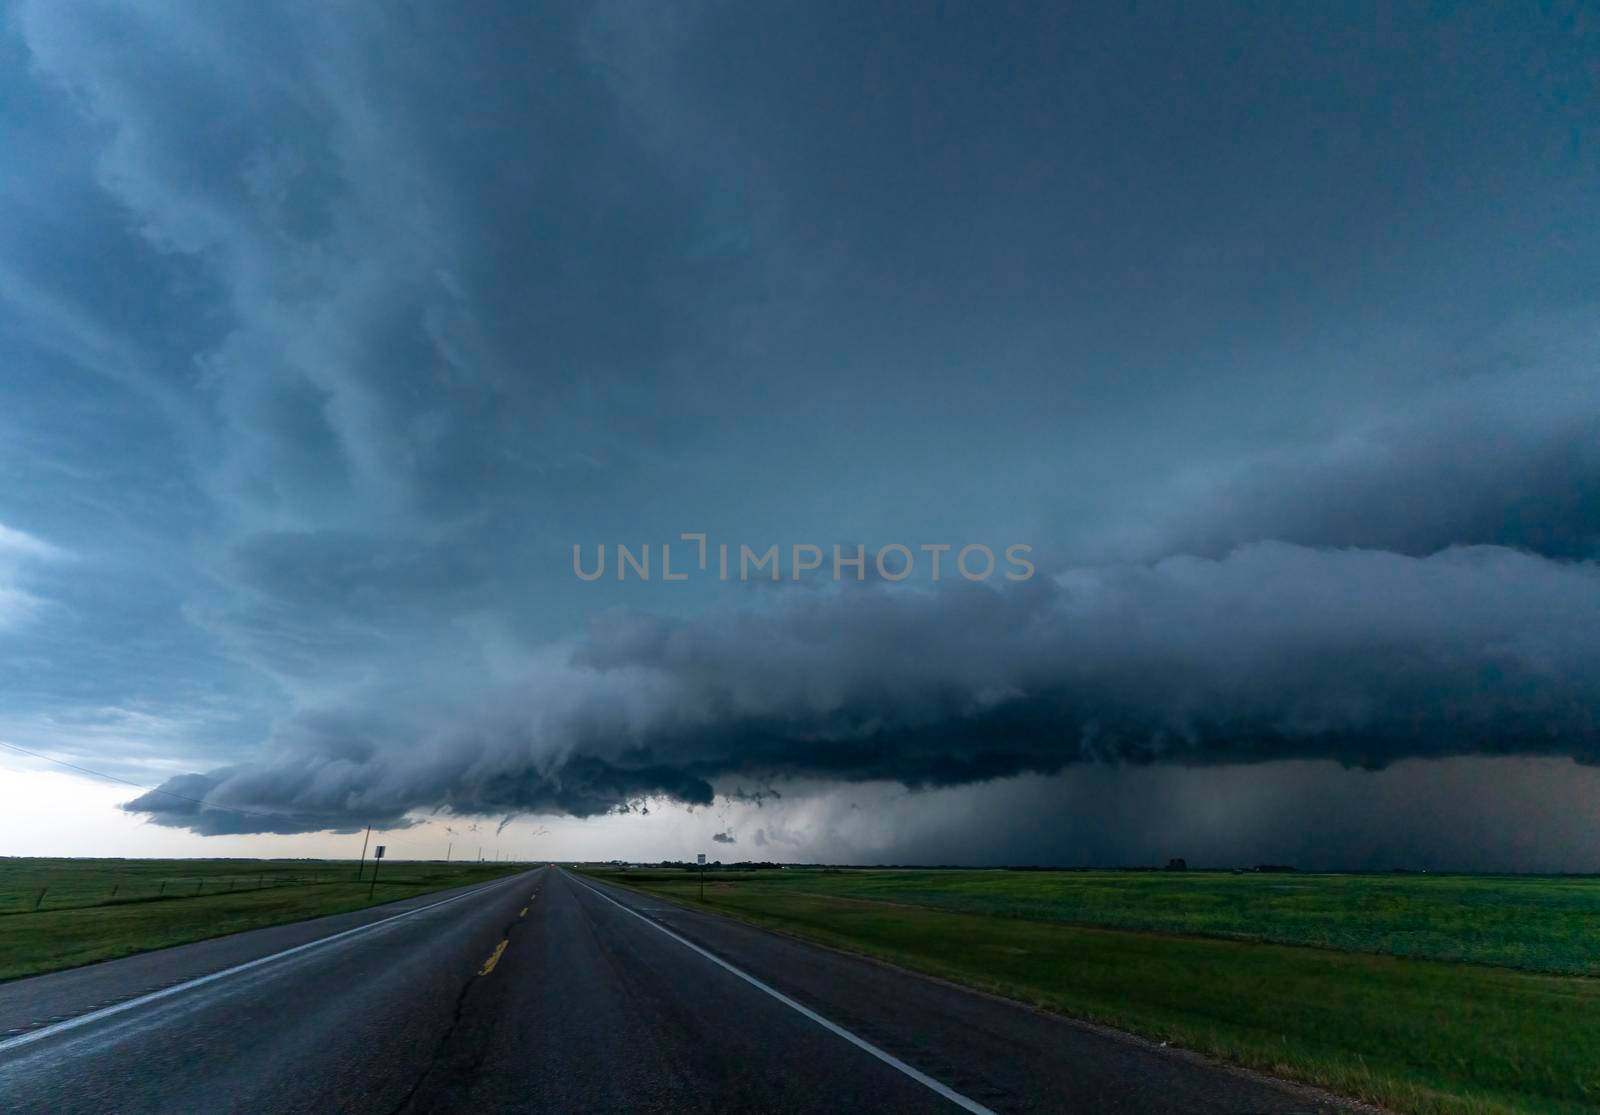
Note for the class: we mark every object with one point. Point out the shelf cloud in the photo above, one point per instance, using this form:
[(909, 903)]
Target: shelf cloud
[(328, 338), (1272, 652)]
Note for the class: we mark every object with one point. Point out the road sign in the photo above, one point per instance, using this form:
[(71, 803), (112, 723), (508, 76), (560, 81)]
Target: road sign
[(701, 858), (377, 862)]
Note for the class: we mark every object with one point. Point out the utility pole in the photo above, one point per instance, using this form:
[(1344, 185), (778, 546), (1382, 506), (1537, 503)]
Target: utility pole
[(362, 865)]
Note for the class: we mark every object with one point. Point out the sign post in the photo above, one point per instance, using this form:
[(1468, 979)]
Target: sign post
[(702, 860), (377, 861)]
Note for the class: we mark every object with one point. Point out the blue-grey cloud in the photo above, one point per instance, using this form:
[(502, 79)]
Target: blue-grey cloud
[(326, 337), (1273, 652)]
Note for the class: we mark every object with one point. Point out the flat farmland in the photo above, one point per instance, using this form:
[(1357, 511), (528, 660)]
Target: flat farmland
[(1539, 923), (61, 913)]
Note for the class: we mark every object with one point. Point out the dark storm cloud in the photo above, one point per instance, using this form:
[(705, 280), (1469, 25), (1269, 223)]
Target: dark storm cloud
[(185, 801), (1272, 332), (1270, 652), (1273, 652), (1528, 815), (1505, 455)]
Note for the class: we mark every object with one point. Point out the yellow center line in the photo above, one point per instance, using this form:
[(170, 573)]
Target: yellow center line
[(494, 958)]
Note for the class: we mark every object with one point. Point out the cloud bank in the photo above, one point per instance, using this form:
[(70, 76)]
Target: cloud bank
[(1272, 652), (327, 337)]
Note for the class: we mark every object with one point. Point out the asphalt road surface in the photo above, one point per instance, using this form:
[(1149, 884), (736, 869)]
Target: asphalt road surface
[(550, 992)]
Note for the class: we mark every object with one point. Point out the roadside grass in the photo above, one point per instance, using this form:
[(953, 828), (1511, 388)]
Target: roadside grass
[(1413, 1035), (158, 903), (1539, 923)]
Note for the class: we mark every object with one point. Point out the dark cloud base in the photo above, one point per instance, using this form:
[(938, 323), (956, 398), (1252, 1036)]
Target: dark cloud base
[(1272, 653), (1511, 814)]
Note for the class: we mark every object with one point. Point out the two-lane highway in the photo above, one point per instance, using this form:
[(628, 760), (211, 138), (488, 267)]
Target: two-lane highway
[(552, 992), (331, 1024)]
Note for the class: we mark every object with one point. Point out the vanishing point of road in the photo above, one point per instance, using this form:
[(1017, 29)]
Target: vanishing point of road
[(552, 992)]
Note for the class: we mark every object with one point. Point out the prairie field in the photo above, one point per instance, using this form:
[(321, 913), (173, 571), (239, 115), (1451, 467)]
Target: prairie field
[(60, 913), (1445, 995), (1539, 923)]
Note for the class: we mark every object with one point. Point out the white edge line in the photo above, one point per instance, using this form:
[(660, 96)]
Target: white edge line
[(889, 1059), (73, 1023)]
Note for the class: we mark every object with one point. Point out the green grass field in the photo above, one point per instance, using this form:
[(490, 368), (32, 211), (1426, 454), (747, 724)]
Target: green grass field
[(1537, 923), (1193, 961), (60, 913)]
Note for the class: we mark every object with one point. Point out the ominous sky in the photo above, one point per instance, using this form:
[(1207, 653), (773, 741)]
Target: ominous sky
[(328, 332)]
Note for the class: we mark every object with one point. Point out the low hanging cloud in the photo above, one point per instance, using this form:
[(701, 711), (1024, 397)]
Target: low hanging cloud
[(1506, 456), (1274, 651)]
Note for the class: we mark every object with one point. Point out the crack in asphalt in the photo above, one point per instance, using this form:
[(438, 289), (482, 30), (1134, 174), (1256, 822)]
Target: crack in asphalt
[(433, 1061)]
